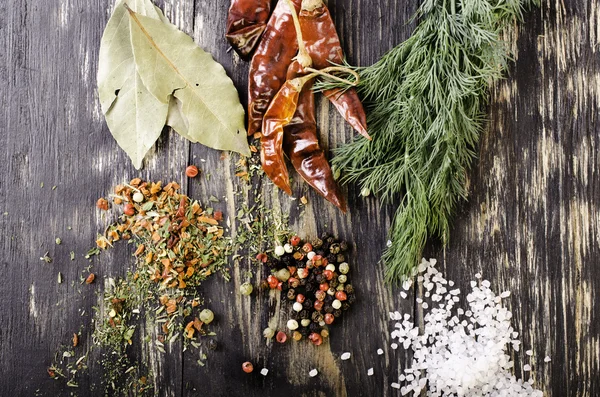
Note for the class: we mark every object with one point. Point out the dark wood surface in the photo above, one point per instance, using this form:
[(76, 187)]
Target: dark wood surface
[(532, 224)]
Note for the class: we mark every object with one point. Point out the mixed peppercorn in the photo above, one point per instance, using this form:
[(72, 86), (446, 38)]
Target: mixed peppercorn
[(313, 278)]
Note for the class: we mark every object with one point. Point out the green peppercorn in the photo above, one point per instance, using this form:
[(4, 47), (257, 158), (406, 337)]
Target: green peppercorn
[(246, 289), (317, 243), (334, 248), (344, 268), (269, 333), (340, 258), (342, 278), (207, 316), (283, 275)]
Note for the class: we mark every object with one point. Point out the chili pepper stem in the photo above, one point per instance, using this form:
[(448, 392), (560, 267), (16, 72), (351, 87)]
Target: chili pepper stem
[(303, 57), (311, 5), (298, 82), (325, 73)]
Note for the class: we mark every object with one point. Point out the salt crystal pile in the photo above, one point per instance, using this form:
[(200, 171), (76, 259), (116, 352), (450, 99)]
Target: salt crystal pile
[(460, 352)]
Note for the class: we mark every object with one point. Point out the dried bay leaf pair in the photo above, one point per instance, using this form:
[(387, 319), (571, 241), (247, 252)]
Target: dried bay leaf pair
[(151, 74)]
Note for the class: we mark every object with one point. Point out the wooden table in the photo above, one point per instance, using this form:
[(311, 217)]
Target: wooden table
[(531, 224)]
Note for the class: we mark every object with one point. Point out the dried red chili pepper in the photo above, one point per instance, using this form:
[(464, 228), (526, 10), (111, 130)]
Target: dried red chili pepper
[(323, 45), (246, 22), (278, 115), (301, 146), (270, 63)]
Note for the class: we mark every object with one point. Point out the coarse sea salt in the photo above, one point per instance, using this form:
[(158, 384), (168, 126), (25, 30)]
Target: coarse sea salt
[(264, 372), (345, 356), (313, 373), (370, 372), (460, 352)]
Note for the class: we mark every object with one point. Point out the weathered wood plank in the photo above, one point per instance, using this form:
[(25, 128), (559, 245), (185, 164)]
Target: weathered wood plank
[(531, 224)]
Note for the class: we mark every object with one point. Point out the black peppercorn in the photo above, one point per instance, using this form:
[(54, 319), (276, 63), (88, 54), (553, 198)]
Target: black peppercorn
[(319, 279), (314, 327), (291, 294), (320, 252), (349, 289), (295, 315), (337, 313), (334, 282), (330, 240), (305, 331), (285, 287), (325, 236), (308, 303), (328, 299), (351, 298), (317, 243), (331, 258), (345, 306), (328, 309), (317, 317), (310, 287), (343, 246), (212, 344), (304, 314), (302, 281), (334, 248)]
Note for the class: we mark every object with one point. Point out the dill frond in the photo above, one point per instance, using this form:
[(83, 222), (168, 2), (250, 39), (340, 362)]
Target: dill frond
[(425, 101)]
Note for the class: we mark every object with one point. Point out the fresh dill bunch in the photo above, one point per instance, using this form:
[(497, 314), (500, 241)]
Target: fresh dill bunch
[(425, 101)]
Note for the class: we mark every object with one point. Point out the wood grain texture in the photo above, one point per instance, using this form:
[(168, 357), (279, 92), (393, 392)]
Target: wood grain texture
[(531, 225)]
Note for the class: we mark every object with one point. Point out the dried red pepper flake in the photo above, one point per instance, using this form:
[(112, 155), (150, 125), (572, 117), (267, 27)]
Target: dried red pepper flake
[(90, 278), (129, 209), (102, 204), (191, 171)]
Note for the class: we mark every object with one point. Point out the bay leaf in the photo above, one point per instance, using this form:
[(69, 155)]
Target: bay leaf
[(134, 116), (171, 65)]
